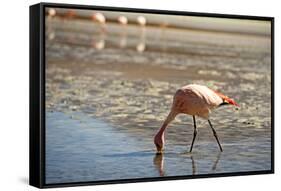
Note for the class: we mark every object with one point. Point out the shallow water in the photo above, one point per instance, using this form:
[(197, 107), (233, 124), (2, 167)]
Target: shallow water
[(81, 148), (108, 93)]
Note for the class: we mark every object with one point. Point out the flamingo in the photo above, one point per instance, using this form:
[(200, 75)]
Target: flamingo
[(141, 20), (52, 12), (70, 14), (195, 100), (122, 20), (99, 18)]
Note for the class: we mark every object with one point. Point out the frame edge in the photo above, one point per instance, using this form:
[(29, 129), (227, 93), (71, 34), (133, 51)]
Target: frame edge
[(35, 178)]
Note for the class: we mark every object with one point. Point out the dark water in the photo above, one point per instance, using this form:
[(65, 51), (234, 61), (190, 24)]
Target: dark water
[(107, 93)]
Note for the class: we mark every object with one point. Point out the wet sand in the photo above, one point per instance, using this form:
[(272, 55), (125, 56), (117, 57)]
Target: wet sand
[(107, 94)]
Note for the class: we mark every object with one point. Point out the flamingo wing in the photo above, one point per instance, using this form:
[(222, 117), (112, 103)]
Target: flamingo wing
[(196, 100)]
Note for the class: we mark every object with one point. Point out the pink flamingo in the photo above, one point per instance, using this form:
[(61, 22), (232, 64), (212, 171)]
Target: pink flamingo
[(141, 20), (122, 20), (99, 18), (70, 14), (195, 100), (52, 12)]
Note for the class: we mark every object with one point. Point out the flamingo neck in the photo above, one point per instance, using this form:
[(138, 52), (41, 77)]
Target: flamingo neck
[(162, 130), (169, 118)]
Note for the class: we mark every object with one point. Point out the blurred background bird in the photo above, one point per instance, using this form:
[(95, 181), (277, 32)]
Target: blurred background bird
[(100, 19)]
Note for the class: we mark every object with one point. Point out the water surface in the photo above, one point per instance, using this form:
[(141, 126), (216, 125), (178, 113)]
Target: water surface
[(82, 148)]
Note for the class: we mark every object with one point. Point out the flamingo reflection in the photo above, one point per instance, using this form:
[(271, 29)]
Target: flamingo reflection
[(123, 39), (158, 162), (214, 167), (162, 36), (98, 41), (141, 46)]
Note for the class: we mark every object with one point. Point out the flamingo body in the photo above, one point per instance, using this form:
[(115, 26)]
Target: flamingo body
[(141, 20), (196, 100), (52, 12), (122, 20), (99, 17)]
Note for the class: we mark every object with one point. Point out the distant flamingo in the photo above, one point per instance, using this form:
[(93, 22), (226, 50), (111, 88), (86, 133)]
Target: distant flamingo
[(141, 20), (52, 12), (195, 100), (122, 20), (70, 14), (99, 18)]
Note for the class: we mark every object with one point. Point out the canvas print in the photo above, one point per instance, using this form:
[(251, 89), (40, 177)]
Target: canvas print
[(132, 95)]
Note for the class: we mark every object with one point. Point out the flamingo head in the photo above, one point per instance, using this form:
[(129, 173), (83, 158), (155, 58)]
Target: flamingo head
[(159, 142), (227, 100)]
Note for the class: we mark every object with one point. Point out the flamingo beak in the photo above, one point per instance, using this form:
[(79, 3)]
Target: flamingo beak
[(231, 102), (159, 149)]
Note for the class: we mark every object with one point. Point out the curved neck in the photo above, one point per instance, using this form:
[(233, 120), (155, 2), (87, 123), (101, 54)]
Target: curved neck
[(161, 131), (169, 118)]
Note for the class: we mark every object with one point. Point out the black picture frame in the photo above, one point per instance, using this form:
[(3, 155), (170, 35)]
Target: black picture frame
[(37, 93)]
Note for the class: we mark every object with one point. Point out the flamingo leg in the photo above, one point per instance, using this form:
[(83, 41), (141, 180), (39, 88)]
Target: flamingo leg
[(215, 134), (194, 133), (193, 165)]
